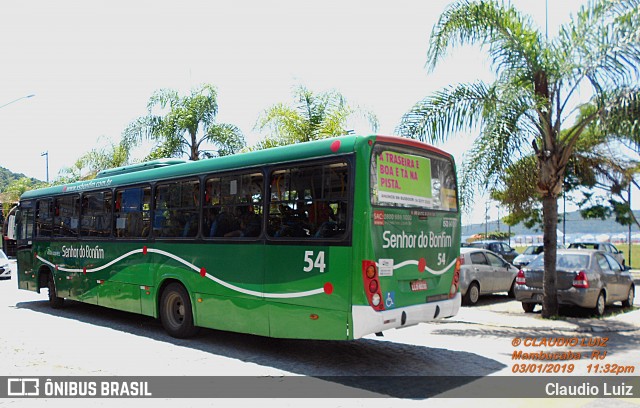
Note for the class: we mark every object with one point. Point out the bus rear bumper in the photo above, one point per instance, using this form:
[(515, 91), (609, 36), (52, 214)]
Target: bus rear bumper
[(367, 321)]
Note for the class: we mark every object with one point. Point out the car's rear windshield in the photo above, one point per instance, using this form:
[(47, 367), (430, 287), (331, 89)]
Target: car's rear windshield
[(564, 261)]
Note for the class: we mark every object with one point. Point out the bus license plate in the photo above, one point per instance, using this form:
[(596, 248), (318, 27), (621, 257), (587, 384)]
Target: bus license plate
[(418, 285)]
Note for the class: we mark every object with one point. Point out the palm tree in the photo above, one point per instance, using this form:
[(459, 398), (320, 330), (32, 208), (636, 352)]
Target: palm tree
[(313, 116), (186, 127), (87, 166), (537, 81)]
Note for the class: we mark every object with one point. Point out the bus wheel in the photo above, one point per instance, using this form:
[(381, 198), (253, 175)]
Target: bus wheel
[(54, 301), (176, 314)]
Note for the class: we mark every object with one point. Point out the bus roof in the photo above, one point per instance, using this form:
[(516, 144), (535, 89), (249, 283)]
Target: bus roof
[(172, 168)]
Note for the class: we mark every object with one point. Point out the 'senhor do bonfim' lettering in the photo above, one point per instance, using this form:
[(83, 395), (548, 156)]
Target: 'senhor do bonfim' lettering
[(403, 240)]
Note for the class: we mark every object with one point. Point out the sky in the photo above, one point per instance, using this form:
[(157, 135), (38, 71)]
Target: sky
[(92, 66)]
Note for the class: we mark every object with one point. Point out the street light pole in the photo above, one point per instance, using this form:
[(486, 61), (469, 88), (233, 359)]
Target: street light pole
[(46, 154), (16, 100)]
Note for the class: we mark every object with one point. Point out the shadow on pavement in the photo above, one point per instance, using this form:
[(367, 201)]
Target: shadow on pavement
[(381, 367)]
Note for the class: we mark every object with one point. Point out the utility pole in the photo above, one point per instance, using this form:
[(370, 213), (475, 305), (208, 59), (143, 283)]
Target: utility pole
[(46, 154), (486, 221)]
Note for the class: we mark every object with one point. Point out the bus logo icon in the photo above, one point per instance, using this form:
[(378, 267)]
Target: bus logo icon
[(17, 387)]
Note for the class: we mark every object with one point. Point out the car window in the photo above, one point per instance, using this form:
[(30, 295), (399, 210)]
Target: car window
[(3, 256), (615, 266), (529, 251), (478, 258), (569, 261), (602, 261), (494, 260)]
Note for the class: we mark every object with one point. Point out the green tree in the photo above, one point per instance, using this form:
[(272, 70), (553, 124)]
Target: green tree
[(185, 126), (313, 116), (533, 95), (16, 188), (91, 163)]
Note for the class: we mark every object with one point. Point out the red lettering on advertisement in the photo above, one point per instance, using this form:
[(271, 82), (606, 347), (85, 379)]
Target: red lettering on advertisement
[(378, 217)]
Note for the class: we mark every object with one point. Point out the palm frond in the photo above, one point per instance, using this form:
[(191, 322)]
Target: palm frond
[(447, 111)]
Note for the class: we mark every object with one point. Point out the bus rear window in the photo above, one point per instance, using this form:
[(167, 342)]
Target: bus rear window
[(404, 177)]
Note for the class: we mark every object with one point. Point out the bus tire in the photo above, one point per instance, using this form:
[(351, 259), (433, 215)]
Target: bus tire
[(54, 301), (176, 313)]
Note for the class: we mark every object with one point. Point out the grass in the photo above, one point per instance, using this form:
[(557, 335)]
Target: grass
[(635, 253)]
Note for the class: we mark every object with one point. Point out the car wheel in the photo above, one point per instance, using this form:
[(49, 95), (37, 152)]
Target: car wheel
[(512, 291), (600, 304), (630, 296), (472, 295), (528, 307)]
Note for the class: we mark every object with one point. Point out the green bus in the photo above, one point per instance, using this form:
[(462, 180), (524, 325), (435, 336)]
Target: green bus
[(331, 239)]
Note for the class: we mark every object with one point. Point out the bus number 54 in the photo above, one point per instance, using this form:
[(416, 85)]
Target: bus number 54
[(310, 263)]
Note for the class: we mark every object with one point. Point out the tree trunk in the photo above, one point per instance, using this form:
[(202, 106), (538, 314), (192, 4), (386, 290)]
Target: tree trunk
[(550, 240)]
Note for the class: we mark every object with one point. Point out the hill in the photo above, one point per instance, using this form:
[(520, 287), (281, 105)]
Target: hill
[(7, 176), (574, 224)]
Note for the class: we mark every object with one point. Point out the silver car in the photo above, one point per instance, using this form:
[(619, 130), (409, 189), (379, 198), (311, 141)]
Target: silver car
[(5, 269), (483, 272), (585, 278), (601, 246)]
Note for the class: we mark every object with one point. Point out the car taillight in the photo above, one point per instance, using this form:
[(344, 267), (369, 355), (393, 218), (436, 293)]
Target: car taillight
[(455, 282), (580, 281), (372, 284), (520, 279)]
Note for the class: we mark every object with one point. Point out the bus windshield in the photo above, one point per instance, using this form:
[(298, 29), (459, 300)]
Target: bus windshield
[(402, 177)]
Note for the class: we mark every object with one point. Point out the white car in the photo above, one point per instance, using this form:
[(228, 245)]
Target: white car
[(483, 272), (530, 254), (5, 269)]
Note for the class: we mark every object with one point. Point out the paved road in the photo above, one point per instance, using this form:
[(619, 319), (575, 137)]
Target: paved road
[(86, 340)]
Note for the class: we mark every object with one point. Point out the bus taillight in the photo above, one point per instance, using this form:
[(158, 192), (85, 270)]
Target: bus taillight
[(372, 284), (456, 278)]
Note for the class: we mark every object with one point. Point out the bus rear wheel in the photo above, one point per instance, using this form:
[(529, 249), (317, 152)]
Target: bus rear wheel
[(176, 313), (54, 301)]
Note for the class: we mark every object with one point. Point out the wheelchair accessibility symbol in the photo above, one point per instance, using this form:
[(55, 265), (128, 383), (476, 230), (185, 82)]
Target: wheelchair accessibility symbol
[(389, 299)]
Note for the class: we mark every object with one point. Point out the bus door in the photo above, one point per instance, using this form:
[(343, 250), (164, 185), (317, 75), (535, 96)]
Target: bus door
[(24, 251)]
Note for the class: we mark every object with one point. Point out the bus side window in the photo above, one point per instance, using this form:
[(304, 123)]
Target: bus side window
[(176, 209), (96, 214), (132, 216), (67, 216), (233, 206), (44, 217), (309, 202)]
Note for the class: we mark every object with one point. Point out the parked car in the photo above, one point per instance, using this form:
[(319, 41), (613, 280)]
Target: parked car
[(586, 278), (601, 246), (5, 269), (483, 272), (499, 247), (530, 253)]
